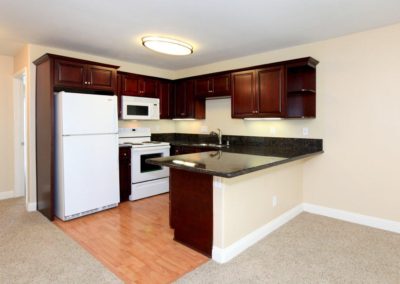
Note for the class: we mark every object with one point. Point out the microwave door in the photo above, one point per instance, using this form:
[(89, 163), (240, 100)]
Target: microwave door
[(138, 111)]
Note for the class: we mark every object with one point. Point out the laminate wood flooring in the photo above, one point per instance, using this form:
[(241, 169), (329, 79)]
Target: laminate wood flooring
[(135, 241)]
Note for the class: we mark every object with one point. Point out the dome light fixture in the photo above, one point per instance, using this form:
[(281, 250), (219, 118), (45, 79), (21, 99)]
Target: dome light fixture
[(167, 45)]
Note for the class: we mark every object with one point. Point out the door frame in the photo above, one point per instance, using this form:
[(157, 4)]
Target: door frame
[(20, 177)]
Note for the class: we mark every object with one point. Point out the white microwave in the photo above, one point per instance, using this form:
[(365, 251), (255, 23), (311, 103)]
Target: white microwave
[(140, 108)]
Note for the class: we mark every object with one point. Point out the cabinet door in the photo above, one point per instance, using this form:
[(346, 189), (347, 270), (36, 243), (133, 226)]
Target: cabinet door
[(101, 78), (243, 94), (181, 110), (221, 85), (270, 94), (124, 173), (165, 94), (69, 74), (202, 87), (148, 87), (129, 85)]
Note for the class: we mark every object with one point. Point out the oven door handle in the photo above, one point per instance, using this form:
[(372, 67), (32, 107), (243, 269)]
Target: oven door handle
[(147, 149)]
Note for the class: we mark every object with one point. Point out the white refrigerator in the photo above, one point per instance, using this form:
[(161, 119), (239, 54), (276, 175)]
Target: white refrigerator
[(86, 167)]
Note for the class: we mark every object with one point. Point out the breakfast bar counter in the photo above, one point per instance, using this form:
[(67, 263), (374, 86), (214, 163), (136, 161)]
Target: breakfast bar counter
[(220, 197), (231, 161)]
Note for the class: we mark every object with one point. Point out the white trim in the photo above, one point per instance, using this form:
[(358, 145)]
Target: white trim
[(360, 219), (31, 206), (6, 194), (224, 255)]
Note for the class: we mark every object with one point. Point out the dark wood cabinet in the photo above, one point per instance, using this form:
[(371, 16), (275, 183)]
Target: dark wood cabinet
[(57, 73), (191, 209), (124, 173), (166, 95), (243, 93), (270, 90), (186, 105), (72, 74), (285, 90), (136, 85), (301, 88), (258, 93), (213, 86)]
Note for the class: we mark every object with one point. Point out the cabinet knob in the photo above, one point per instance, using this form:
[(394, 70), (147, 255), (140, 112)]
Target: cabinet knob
[(210, 91)]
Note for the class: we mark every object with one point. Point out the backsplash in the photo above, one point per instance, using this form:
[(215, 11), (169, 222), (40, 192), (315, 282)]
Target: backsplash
[(269, 142)]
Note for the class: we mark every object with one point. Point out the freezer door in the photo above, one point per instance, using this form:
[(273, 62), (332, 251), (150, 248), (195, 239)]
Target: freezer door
[(90, 167), (86, 114)]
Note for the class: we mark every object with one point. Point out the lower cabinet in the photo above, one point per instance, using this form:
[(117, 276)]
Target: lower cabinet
[(124, 173)]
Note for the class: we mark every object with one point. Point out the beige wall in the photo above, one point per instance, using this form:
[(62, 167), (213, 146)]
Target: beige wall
[(357, 116), (6, 124), (244, 204)]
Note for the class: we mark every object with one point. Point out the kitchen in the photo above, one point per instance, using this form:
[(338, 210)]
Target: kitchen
[(341, 79)]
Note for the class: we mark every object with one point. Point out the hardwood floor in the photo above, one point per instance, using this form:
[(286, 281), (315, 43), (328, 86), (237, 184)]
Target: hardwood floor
[(135, 241)]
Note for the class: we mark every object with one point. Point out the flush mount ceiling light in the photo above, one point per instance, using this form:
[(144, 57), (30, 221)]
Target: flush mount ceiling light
[(167, 45)]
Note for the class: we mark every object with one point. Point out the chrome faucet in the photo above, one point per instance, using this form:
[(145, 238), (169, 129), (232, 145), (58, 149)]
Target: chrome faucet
[(219, 135)]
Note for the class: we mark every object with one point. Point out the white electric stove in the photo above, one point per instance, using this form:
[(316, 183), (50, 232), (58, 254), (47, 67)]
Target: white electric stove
[(147, 180)]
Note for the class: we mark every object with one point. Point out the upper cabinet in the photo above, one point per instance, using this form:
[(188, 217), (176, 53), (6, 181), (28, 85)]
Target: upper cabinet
[(186, 105), (285, 90), (243, 93), (136, 85), (301, 88), (213, 86), (165, 91), (75, 74)]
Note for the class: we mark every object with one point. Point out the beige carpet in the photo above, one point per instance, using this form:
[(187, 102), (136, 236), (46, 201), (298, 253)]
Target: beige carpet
[(311, 249), (33, 250)]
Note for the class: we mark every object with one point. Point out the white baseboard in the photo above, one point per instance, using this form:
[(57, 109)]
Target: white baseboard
[(224, 255), (31, 206), (6, 194), (360, 219)]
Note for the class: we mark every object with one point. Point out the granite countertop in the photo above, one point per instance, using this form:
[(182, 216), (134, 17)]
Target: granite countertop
[(232, 161)]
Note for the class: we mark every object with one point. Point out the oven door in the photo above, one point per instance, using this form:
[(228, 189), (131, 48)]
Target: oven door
[(141, 171)]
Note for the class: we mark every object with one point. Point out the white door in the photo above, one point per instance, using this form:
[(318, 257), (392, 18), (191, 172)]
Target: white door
[(87, 114), (20, 112), (91, 175)]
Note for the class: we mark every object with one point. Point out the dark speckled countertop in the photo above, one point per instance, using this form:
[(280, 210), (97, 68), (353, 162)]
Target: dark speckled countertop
[(248, 155)]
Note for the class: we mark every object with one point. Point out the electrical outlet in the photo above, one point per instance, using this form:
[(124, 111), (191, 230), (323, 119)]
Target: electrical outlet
[(274, 201), (204, 129), (305, 131)]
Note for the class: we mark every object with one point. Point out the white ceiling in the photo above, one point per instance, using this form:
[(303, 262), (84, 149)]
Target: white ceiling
[(218, 30)]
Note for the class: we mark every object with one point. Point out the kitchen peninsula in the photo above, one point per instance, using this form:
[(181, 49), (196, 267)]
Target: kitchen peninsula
[(221, 197)]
